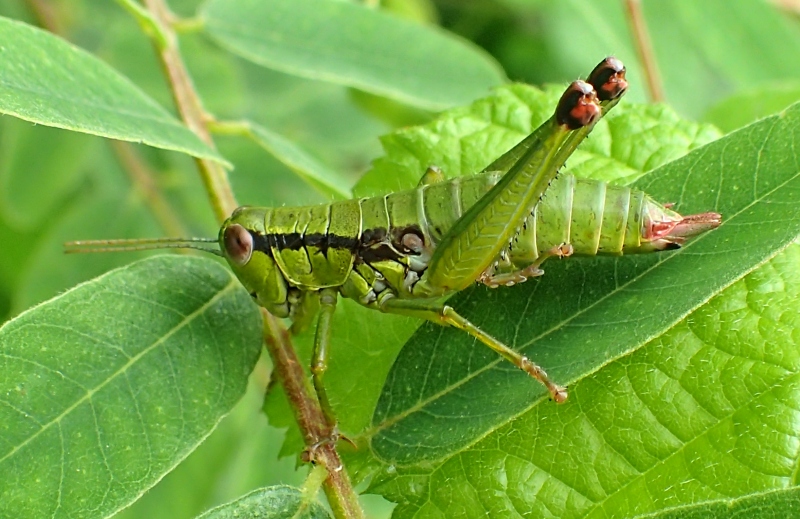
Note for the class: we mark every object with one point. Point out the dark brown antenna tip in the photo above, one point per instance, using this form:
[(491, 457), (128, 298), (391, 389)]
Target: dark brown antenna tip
[(578, 106), (608, 79)]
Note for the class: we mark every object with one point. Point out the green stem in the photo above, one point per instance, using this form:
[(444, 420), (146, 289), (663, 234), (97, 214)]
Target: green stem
[(214, 176), (148, 24)]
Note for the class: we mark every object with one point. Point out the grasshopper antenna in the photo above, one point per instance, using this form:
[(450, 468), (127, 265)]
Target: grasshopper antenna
[(126, 245)]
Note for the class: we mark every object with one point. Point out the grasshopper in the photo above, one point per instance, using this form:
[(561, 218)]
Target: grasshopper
[(406, 252)]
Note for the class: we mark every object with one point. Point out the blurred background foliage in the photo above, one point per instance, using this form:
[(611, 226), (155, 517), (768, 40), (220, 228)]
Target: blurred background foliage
[(727, 62)]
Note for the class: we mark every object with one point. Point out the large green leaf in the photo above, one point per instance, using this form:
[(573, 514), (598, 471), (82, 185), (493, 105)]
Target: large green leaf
[(47, 81), (278, 502), (698, 417), (350, 44), (108, 386), (581, 315)]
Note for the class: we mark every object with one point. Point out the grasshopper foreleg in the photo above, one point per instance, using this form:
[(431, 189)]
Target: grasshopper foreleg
[(446, 315)]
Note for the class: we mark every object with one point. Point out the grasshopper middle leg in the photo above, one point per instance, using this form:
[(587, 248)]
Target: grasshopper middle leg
[(493, 280), (319, 363)]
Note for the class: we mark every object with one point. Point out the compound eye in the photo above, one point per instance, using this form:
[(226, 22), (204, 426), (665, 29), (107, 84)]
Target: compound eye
[(238, 244)]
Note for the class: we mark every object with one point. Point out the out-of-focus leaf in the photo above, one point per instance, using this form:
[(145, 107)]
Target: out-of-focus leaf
[(108, 386), (699, 62), (14, 258), (32, 157), (278, 502), (261, 180), (47, 81), (350, 44), (743, 108), (88, 219), (315, 174)]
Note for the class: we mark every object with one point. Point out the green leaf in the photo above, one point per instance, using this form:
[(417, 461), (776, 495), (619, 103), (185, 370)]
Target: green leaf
[(695, 418), (48, 81), (108, 386), (278, 502), (311, 171), (350, 44), (630, 141)]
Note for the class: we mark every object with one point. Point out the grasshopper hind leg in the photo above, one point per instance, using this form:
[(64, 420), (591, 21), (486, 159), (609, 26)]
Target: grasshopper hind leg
[(447, 316)]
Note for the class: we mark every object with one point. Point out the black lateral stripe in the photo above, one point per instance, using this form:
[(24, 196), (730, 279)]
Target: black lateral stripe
[(261, 243), (296, 241)]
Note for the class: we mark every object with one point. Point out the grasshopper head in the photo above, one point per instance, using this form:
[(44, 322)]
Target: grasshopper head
[(244, 245), (242, 242)]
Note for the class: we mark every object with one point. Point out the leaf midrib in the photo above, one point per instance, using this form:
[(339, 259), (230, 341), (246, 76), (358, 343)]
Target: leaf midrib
[(158, 115)]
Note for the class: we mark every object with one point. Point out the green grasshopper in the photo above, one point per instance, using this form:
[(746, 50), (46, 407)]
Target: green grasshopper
[(406, 252)]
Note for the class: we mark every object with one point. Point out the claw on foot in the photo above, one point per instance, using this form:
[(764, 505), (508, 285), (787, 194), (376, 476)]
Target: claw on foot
[(557, 393), (563, 250)]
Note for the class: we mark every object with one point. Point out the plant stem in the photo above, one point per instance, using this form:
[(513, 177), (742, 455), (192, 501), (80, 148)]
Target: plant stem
[(45, 15), (644, 48), (214, 176), (337, 486)]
